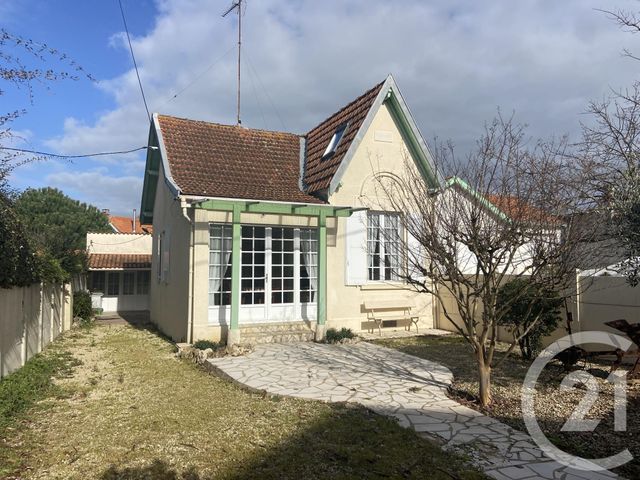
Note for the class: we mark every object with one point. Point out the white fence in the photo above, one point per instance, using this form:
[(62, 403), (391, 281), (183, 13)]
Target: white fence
[(30, 318)]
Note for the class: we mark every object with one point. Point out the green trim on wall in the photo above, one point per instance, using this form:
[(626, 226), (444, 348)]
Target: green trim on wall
[(235, 269), (412, 142), (322, 270), (246, 206)]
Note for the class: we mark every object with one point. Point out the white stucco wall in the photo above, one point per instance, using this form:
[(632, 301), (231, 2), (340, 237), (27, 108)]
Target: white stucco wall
[(125, 243)]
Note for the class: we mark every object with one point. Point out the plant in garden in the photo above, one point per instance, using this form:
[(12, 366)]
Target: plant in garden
[(530, 313), (336, 336), (82, 306)]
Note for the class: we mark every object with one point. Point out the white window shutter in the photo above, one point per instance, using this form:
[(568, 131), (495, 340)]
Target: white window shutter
[(356, 249), (166, 256), (415, 250)]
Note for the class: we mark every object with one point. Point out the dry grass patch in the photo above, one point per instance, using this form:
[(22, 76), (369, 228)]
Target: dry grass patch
[(134, 411), (553, 406)]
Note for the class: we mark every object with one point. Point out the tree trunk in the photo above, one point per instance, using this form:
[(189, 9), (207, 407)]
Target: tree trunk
[(484, 379)]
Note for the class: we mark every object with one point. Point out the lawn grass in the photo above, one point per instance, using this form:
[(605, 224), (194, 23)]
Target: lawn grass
[(136, 412), (553, 406)]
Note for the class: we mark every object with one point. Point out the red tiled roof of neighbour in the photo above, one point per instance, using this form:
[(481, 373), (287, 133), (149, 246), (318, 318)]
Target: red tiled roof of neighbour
[(125, 225), (105, 261), (213, 160), (318, 171), (519, 210)]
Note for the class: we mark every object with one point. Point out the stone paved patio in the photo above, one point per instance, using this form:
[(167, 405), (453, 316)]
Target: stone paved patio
[(408, 388)]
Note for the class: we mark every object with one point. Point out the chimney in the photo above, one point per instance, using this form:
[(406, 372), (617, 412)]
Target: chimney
[(134, 221), (106, 211)]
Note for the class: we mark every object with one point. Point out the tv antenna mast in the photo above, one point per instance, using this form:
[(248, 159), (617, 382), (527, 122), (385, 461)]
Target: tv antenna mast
[(237, 4)]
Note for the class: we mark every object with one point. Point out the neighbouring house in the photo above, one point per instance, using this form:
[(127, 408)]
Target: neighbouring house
[(257, 228), (119, 270), (127, 224)]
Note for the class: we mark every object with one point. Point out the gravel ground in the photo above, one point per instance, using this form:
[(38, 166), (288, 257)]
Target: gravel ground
[(553, 406)]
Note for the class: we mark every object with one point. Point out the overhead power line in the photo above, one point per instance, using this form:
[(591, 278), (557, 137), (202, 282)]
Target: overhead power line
[(97, 154), (126, 29)]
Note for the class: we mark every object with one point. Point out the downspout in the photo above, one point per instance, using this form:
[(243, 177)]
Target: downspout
[(190, 304)]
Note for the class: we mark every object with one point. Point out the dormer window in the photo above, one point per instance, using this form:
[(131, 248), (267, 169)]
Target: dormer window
[(335, 140)]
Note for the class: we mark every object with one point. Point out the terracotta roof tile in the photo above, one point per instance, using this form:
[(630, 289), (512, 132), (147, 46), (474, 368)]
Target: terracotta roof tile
[(102, 261), (319, 172), (125, 225), (213, 160), (517, 209)]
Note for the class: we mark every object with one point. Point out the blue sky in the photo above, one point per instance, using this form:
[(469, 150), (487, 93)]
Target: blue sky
[(456, 61)]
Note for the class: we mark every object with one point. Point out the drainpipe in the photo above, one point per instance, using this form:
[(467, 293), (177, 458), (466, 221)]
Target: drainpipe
[(190, 304)]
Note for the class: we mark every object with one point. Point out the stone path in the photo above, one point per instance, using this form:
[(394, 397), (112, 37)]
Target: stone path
[(432, 332), (408, 388)]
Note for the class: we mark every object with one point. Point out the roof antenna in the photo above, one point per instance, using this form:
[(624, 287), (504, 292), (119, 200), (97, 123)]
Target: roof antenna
[(237, 4)]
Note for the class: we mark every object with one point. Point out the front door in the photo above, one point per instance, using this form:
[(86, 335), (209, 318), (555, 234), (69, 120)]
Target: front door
[(278, 274)]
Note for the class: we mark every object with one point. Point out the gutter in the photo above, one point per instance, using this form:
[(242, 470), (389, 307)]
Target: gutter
[(191, 297)]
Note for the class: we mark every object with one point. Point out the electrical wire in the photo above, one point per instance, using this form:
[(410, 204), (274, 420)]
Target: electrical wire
[(134, 59), (198, 77), (97, 154), (273, 105)]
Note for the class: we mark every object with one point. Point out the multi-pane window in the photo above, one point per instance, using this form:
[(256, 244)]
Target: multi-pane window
[(220, 264), (142, 280), (113, 283), (308, 265), (97, 281), (128, 283), (282, 265), (252, 282), (383, 246)]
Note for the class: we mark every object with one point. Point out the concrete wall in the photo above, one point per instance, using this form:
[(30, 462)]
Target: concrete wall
[(169, 298), (30, 318), (600, 299), (358, 189), (125, 243)]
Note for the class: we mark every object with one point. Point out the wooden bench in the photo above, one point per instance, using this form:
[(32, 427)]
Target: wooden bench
[(379, 311)]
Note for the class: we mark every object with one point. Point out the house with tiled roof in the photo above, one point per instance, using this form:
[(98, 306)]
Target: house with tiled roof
[(119, 270), (131, 224), (256, 230)]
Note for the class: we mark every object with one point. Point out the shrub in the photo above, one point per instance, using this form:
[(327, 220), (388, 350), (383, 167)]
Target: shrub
[(82, 306), (530, 310), (204, 344), (336, 336)]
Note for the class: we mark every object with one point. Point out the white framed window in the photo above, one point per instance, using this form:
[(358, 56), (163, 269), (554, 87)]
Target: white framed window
[(113, 283), (384, 243), (97, 281), (308, 265), (220, 242), (253, 265), (128, 283), (282, 265), (335, 140), (142, 282)]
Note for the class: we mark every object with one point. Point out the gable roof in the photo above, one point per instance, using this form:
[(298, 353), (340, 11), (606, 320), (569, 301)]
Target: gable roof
[(125, 225), (214, 160), (318, 171), (205, 159)]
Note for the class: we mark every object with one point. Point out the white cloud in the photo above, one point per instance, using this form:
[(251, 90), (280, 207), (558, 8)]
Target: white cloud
[(456, 62), (119, 194)]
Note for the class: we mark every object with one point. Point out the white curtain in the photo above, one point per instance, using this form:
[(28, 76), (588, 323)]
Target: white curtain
[(218, 271), (310, 263)]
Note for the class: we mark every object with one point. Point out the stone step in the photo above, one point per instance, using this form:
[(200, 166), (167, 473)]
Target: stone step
[(276, 333), (273, 327)]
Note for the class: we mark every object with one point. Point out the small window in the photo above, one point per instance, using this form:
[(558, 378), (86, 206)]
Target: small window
[(96, 281), (128, 283), (143, 282), (113, 283), (335, 140)]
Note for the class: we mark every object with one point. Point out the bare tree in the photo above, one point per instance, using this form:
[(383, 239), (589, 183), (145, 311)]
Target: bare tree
[(611, 151), (506, 211), (25, 63)]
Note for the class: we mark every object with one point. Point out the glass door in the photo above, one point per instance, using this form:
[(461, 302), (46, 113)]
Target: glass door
[(283, 273)]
